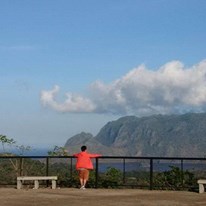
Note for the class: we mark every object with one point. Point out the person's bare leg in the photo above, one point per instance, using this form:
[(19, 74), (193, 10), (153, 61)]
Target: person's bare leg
[(84, 182), (81, 182)]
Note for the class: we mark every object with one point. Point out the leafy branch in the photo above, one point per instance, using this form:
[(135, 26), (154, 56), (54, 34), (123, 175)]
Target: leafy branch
[(58, 151)]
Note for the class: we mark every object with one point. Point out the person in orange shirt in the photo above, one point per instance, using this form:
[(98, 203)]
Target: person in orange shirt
[(84, 164)]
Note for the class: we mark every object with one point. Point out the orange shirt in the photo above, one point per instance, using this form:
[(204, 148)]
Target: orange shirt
[(84, 160)]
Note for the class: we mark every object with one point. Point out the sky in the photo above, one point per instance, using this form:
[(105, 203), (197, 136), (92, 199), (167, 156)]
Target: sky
[(70, 66)]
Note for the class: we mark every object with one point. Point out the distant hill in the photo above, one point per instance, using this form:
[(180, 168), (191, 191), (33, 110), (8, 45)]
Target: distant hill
[(157, 135)]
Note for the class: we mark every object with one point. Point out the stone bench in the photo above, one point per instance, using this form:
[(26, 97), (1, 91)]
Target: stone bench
[(36, 180), (201, 185)]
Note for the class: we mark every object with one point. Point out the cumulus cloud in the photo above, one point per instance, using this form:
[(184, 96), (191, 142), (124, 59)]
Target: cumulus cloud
[(142, 91), (73, 103)]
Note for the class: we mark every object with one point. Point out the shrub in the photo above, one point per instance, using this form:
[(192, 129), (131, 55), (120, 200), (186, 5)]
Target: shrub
[(174, 179), (112, 178)]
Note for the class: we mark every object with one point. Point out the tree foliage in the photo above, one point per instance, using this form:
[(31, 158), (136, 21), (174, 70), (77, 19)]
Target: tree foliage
[(58, 151), (112, 178), (174, 179), (6, 141), (9, 142)]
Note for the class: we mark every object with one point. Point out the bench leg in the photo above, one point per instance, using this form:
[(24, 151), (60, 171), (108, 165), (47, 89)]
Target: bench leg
[(36, 184), (201, 188), (53, 184), (19, 184)]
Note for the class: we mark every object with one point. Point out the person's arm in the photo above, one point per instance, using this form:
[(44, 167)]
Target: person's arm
[(95, 155), (75, 155)]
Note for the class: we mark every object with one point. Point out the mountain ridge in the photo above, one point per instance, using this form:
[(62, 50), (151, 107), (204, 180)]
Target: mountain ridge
[(157, 135)]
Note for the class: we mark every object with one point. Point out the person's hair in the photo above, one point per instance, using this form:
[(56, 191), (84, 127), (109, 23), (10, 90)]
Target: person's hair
[(83, 148)]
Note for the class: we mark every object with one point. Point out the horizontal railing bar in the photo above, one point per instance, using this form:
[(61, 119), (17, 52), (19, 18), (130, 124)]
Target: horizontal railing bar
[(109, 157)]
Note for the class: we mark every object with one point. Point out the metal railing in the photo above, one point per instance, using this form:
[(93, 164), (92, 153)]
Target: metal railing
[(149, 165)]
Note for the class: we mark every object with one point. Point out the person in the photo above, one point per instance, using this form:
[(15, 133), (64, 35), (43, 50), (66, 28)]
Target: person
[(83, 165)]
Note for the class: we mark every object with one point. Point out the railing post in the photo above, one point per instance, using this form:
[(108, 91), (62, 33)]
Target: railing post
[(47, 166), (20, 167), (124, 170), (151, 174), (71, 168), (97, 171), (47, 170), (182, 174)]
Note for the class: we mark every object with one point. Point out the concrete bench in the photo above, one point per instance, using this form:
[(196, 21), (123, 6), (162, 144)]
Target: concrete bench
[(201, 185), (36, 180)]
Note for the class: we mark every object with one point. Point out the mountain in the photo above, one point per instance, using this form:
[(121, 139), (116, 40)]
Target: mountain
[(157, 135)]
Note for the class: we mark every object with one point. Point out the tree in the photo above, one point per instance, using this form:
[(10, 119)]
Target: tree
[(175, 179), (16, 163), (58, 151), (22, 149), (112, 178), (6, 141)]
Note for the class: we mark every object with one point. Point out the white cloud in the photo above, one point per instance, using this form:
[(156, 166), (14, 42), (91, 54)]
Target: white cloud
[(170, 89), (73, 103)]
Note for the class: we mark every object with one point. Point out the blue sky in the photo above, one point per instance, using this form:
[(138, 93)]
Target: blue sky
[(69, 66)]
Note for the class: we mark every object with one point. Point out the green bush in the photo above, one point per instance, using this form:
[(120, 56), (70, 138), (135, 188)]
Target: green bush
[(174, 179), (112, 178)]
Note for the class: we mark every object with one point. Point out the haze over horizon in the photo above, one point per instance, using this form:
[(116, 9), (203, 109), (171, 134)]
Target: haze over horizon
[(72, 66)]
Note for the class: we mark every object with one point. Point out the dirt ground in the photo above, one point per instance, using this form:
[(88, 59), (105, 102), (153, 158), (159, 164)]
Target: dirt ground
[(97, 197)]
